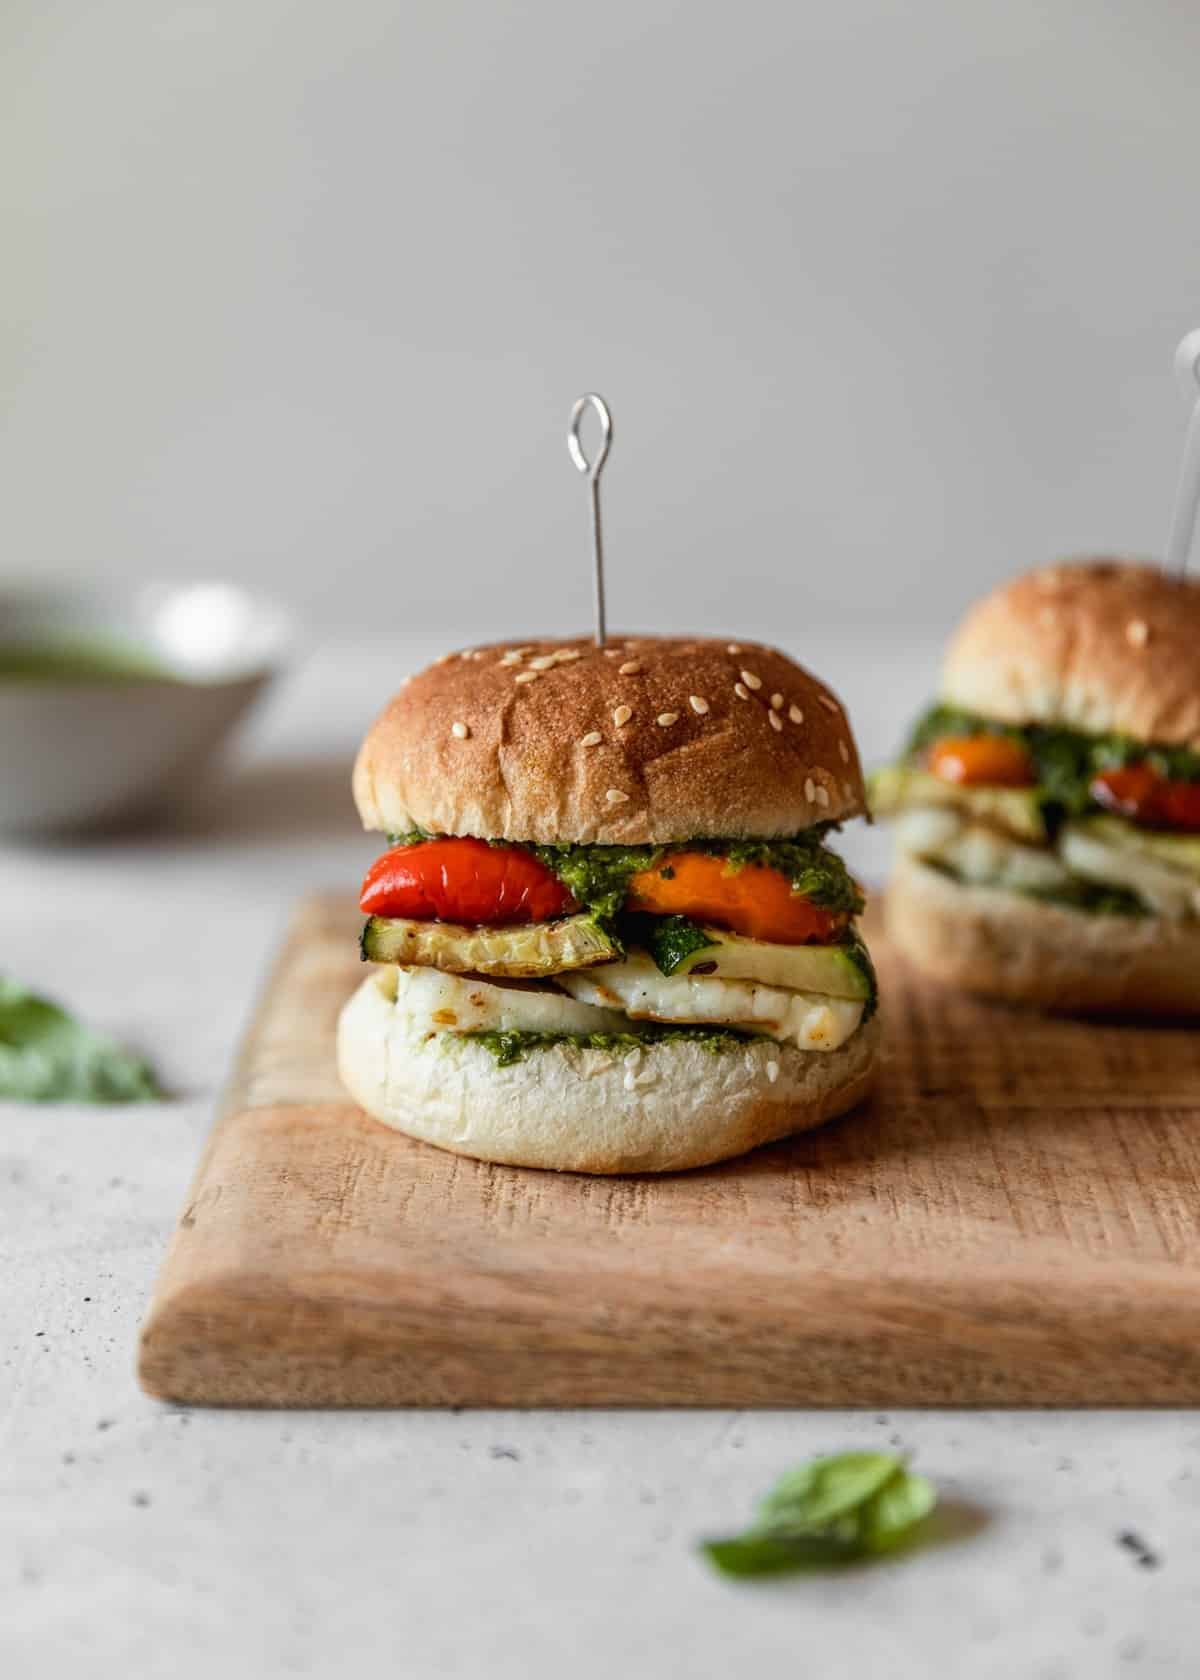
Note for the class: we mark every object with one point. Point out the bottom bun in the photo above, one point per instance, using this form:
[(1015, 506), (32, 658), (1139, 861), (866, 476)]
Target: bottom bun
[(1004, 945), (584, 1110)]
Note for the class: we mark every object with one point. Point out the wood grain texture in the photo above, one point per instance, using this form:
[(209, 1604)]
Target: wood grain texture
[(1013, 1219)]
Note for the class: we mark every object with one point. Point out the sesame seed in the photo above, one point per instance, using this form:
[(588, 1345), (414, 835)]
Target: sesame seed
[(847, 790), (445, 658), (612, 653), (622, 715), (459, 730), (1137, 632), (616, 797), (512, 658), (775, 721), (845, 752), (735, 647), (750, 680), (630, 1081), (630, 668), (742, 692), (526, 647), (822, 795), (796, 715), (543, 662), (810, 790), (664, 720), (593, 738), (526, 676), (566, 655), (829, 705), (772, 1071), (698, 703)]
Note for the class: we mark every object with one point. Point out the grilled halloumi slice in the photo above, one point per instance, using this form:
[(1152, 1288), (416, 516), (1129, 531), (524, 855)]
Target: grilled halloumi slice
[(979, 855), (430, 1001), (1168, 891), (812, 1021)]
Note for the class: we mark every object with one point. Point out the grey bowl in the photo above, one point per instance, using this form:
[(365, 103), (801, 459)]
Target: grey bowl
[(79, 752)]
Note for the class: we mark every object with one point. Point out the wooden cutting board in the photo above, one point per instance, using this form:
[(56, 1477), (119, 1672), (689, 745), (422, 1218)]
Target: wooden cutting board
[(1013, 1219)]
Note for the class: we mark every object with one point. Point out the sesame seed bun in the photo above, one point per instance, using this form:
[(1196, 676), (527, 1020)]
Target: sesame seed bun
[(585, 1110), (1095, 645), (1003, 945), (650, 739)]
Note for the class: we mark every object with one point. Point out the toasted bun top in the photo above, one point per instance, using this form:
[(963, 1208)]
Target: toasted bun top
[(651, 739), (1099, 646)]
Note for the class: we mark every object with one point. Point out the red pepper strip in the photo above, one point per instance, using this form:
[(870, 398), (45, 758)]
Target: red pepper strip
[(463, 881), (1138, 793)]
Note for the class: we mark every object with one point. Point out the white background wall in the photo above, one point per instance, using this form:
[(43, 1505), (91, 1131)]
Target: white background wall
[(884, 297)]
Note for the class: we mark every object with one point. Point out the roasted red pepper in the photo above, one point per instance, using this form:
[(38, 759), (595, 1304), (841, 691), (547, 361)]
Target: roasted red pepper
[(463, 881), (755, 901), (1145, 797), (983, 760)]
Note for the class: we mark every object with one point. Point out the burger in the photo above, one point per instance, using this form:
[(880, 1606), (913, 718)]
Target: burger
[(1047, 808), (607, 933)]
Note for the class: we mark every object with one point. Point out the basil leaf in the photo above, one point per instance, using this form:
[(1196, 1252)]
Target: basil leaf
[(819, 1493), (47, 1056), (890, 1516), (829, 1512), (763, 1554)]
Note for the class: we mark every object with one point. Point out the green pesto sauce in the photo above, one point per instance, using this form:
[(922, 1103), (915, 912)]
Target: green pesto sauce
[(82, 661), (597, 877), (1065, 761), (510, 1047)]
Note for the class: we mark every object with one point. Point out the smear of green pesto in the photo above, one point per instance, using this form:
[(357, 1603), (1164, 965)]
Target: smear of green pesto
[(510, 1047), (598, 876)]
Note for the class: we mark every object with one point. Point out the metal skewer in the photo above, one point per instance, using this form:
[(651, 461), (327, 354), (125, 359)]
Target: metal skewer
[(1187, 495), (591, 470)]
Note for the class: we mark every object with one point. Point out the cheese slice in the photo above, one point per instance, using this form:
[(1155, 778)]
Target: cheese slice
[(808, 1019), (980, 855), (428, 1001)]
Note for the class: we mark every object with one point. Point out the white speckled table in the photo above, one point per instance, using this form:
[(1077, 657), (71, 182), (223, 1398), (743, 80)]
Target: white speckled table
[(141, 1540)]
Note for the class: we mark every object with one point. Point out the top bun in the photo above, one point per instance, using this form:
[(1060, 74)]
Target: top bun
[(1100, 646), (648, 740)]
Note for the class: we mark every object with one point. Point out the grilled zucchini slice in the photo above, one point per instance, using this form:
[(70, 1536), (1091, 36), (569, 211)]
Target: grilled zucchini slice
[(902, 787), (519, 952), (835, 970)]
